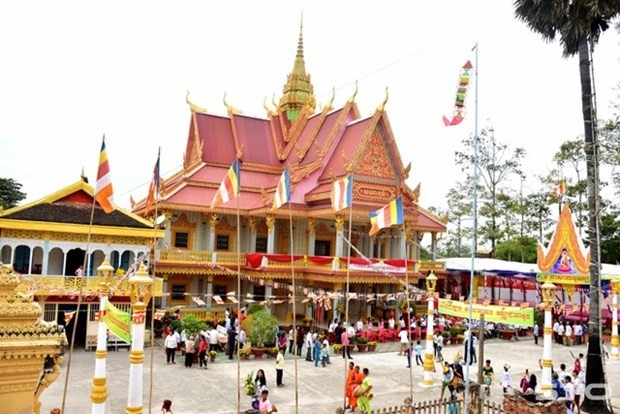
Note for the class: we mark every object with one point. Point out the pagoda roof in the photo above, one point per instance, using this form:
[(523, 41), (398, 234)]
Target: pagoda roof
[(72, 205)]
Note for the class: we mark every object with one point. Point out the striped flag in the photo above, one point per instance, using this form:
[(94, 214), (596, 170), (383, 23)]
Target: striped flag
[(153, 188), (283, 191), (229, 188), (559, 190), (342, 193), (103, 189), (387, 216), (159, 314), (69, 316)]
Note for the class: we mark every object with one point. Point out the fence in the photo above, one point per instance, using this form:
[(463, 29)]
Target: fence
[(437, 407)]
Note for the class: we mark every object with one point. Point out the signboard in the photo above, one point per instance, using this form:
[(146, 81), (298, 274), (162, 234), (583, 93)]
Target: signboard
[(377, 267), (564, 279), (498, 314), (118, 322)]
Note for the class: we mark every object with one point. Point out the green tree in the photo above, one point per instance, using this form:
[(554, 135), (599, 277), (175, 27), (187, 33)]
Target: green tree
[(571, 153), (610, 144), (524, 248), (10, 194), (496, 163), (578, 25)]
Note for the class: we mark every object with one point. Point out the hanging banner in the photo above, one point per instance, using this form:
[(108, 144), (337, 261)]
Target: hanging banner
[(118, 322), (564, 279), (499, 314)]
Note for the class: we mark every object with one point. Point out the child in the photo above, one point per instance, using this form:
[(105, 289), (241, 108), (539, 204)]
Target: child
[(418, 354), (506, 378), (487, 376), (324, 355)]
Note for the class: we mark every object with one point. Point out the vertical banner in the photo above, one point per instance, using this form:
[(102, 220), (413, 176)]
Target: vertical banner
[(118, 322)]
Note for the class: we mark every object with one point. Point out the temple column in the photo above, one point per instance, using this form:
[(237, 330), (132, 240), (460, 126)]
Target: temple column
[(268, 295), (379, 247), (339, 237), (368, 304), (311, 236), (209, 291), (433, 246), (271, 234), (335, 313), (213, 219), (252, 225)]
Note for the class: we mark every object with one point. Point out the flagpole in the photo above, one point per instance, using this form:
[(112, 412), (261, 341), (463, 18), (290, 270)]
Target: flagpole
[(475, 238), (238, 298), (346, 298), (154, 263), (404, 251), (290, 219)]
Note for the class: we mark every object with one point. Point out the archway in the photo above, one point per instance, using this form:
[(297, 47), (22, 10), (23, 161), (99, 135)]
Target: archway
[(75, 259)]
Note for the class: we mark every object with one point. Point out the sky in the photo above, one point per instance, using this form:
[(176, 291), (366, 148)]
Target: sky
[(72, 71)]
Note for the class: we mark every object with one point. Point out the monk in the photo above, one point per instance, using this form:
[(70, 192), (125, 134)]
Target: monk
[(347, 386), (357, 381)]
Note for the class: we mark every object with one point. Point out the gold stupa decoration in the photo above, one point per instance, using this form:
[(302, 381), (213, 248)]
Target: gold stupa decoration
[(30, 349), (566, 254)]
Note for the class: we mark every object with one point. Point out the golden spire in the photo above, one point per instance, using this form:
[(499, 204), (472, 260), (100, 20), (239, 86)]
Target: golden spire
[(381, 107), (298, 90)]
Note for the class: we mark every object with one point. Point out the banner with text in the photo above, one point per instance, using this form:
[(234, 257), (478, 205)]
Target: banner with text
[(118, 322), (492, 313)]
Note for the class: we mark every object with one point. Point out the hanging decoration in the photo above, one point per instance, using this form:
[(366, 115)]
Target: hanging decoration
[(461, 95)]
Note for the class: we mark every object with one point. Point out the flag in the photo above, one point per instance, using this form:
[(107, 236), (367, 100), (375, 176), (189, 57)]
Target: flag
[(159, 314), (103, 189), (68, 317), (461, 95), (387, 216), (117, 321), (559, 190), (153, 188), (283, 192), (229, 188), (342, 193)]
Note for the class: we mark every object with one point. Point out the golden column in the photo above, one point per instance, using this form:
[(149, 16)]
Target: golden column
[(30, 349), (99, 390), (548, 292), (141, 291), (429, 363), (615, 288)]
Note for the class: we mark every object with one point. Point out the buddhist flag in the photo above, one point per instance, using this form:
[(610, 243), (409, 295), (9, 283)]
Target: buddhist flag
[(117, 321), (69, 317), (559, 190), (103, 189), (461, 95), (387, 216), (342, 193), (153, 195), (229, 188), (283, 192)]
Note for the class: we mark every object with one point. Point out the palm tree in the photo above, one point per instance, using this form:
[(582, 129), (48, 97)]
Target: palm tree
[(578, 24)]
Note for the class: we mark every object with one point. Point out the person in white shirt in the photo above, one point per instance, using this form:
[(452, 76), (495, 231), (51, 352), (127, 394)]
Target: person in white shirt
[(569, 389), (568, 333), (332, 326), (401, 322), (506, 380), (556, 328), (351, 331), (310, 346), (578, 332), (326, 345), (212, 335), (404, 341), (170, 343), (579, 385), (391, 323), (561, 334), (359, 326)]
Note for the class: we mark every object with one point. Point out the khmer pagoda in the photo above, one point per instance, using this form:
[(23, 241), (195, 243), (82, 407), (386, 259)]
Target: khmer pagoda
[(200, 255)]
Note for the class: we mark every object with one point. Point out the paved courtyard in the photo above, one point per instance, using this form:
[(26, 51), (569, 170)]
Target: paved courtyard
[(214, 390)]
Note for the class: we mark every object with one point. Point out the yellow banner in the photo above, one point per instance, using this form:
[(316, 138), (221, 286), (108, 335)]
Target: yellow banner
[(499, 314), (565, 279), (118, 322)]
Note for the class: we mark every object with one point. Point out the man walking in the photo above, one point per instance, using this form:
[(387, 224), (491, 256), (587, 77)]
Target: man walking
[(536, 328)]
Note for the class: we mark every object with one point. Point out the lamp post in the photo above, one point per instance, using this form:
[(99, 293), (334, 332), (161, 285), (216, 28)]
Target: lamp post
[(141, 290), (99, 390), (615, 341), (548, 293), (429, 363)]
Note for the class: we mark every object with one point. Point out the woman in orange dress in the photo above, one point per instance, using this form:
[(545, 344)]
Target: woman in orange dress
[(358, 377)]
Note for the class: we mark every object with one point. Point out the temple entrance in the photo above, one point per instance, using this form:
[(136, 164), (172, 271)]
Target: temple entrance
[(80, 334), (75, 259)]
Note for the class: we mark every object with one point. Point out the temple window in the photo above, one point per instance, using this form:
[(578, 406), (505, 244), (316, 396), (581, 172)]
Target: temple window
[(261, 244), (220, 290), (181, 239), (322, 248), (222, 242), (178, 292), (259, 293)]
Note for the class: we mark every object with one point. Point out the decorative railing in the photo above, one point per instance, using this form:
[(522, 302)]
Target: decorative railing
[(70, 285)]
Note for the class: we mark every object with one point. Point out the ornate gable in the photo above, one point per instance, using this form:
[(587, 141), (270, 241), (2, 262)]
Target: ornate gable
[(377, 161)]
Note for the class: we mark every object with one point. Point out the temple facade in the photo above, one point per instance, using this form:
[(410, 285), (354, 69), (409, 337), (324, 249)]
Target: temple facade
[(204, 248), (48, 240)]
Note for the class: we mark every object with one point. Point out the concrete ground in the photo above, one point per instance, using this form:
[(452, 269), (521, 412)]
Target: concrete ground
[(214, 390)]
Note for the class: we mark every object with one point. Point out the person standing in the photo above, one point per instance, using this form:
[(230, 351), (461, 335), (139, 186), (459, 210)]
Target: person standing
[(578, 332), (536, 328), (418, 354), (324, 356), (232, 336), (506, 380), (439, 340), (299, 339), (365, 393), (79, 272), (170, 343), (166, 407), (189, 352), (309, 345), (556, 329), (316, 348), (568, 333), (279, 368), (487, 376), (291, 340), (344, 340), (203, 347), (349, 383), (404, 340)]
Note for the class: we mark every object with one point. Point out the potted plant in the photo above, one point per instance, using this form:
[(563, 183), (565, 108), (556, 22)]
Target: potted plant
[(260, 327), (272, 352), (337, 349), (362, 344), (372, 345), (244, 353), (192, 325), (249, 387), (212, 355)]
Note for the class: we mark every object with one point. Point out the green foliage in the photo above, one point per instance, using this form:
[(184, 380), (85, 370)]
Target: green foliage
[(191, 324), (10, 194), (521, 249), (362, 340), (261, 328), (255, 307)]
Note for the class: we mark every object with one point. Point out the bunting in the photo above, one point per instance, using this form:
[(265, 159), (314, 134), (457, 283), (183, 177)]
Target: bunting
[(461, 95), (103, 189)]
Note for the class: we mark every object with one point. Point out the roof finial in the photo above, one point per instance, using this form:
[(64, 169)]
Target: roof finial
[(192, 106), (352, 98), (83, 176), (381, 107)]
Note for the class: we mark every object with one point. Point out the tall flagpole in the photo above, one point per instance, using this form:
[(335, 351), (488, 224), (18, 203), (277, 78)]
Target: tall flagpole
[(475, 235), (238, 298), (346, 295), (290, 220), (154, 263), (405, 257)]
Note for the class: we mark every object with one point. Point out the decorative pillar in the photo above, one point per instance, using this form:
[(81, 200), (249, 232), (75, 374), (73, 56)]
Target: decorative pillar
[(408, 242), (99, 390), (213, 220), (615, 285), (271, 234), (429, 363), (252, 225), (141, 290), (311, 236), (339, 236), (548, 292), (433, 246), (268, 295), (209, 291)]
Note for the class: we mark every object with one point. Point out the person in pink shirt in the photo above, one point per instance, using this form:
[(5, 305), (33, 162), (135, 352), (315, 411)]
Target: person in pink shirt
[(344, 340), (264, 405)]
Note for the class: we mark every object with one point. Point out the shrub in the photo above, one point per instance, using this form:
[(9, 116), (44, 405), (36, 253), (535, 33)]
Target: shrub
[(260, 328), (361, 340), (337, 348), (191, 324)]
